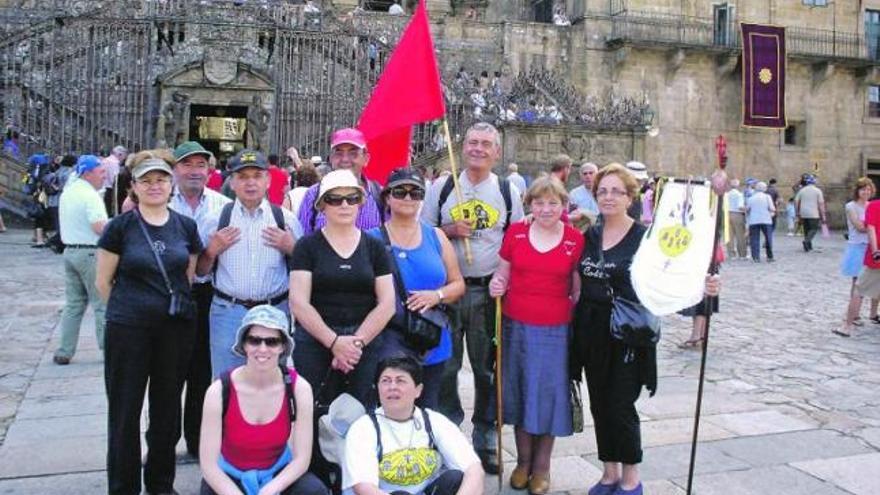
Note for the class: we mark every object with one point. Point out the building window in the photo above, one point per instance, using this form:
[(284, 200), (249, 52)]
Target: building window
[(796, 134), (874, 101), (816, 3)]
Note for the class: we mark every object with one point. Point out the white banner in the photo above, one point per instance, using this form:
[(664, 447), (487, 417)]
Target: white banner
[(669, 269)]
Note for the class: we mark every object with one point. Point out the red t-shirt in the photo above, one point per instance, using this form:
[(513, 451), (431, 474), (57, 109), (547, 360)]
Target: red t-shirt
[(872, 217), (279, 180), (540, 283), (249, 446), (215, 180)]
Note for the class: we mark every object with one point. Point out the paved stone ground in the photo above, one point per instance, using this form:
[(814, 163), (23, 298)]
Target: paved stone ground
[(789, 407)]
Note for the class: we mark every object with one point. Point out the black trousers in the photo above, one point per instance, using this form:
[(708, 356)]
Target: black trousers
[(447, 483), (811, 227), (614, 386), (156, 353), (307, 484), (198, 375)]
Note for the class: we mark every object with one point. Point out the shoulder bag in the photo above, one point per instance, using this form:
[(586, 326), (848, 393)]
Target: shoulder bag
[(631, 322), (421, 330), (180, 305)]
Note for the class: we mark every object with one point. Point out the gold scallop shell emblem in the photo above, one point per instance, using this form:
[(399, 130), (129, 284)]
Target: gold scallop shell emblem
[(765, 76)]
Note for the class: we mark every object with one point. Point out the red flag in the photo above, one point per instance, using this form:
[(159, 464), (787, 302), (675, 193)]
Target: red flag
[(408, 93)]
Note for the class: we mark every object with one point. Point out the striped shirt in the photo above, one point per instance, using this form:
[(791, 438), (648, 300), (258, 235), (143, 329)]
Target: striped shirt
[(210, 205), (250, 269), (369, 214)]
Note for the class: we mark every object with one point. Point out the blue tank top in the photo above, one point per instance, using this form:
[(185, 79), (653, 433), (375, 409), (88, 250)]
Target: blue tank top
[(422, 268)]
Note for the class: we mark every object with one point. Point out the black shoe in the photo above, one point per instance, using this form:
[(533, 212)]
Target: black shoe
[(61, 360), (489, 461), (172, 492)]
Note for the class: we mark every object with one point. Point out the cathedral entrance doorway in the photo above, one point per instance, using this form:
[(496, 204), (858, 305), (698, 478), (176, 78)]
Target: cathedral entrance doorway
[(220, 129)]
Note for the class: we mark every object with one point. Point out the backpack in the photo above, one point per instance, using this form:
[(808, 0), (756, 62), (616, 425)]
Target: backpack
[(428, 430), (225, 378), (32, 179), (226, 215), (503, 184)]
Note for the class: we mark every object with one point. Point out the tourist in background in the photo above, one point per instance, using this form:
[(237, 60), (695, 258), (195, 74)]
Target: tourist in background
[(306, 177), (427, 264), (537, 276), (146, 262), (856, 247), (810, 207), (279, 181), (515, 178), (736, 208), (759, 215)]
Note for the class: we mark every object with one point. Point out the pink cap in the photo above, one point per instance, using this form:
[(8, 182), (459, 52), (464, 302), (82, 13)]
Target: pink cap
[(348, 136)]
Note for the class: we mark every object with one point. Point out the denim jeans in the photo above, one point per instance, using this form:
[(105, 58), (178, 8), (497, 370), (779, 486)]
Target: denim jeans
[(755, 240), (79, 292), (225, 319), (476, 312)]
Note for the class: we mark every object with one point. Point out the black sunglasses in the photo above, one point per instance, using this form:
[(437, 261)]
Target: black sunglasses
[(269, 341), (415, 193), (337, 199)]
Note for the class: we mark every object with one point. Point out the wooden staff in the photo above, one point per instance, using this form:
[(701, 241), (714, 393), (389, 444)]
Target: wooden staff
[(499, 406), (469, 258)]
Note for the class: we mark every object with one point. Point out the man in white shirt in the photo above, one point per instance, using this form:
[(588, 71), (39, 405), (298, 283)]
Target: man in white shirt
[(584, 208), (82, 218), (515, 178), (810, 208), (736, 208), (250, 250)]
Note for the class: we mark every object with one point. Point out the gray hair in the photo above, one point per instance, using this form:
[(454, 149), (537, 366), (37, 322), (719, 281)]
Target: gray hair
[(761, 186), (513, 167), (734, 182), (589, 165), (485, 127)]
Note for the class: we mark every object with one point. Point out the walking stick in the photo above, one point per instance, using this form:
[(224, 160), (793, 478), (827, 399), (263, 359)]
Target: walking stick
[(718, 187), (499, 411), (468, 256)]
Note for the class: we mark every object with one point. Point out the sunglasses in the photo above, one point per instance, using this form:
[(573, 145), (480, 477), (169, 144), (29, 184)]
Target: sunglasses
[(415, 193), (269, 341), (337, 199)]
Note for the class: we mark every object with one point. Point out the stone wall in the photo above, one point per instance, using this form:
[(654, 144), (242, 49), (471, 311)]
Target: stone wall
[(11, 172)]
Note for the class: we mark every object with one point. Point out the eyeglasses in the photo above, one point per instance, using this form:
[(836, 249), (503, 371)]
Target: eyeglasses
[(614, 193), (337, 199), (414, 193), (150, 183), (271, 342)]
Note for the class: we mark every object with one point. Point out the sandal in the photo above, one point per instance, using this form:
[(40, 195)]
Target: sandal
[(841, 333), (691, 344), (858, 321), (875, 319)]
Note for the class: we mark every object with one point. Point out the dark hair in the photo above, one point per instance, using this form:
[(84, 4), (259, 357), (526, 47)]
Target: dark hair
[(307, 175), (68, 161), (401, 362), (273, 160)]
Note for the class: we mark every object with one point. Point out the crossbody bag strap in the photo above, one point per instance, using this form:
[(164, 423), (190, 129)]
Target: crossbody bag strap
[(155, 253), (398, 278)]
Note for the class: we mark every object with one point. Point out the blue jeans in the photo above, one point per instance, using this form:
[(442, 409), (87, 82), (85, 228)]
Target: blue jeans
[(755, 240), (225, 319)]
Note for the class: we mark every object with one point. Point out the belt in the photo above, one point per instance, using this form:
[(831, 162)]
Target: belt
[(481, 281), (80, 246), (250, 303)]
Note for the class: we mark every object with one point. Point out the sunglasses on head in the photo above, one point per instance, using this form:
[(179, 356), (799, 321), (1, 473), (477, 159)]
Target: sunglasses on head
[(337, 199), (269, 341), (415, 193)]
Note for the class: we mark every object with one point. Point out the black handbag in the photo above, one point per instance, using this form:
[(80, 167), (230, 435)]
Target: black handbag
[(421, 330), (577, 406), (180, 305), (631, 322)]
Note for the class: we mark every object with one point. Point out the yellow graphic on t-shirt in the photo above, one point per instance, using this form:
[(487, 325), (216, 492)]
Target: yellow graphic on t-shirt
[(483, 214), (409, 467)]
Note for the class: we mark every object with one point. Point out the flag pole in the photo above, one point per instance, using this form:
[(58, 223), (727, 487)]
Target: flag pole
[(468, 256), (499, 404), (707, 308)]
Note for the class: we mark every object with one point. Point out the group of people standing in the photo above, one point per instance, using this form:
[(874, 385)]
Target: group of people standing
[(213, 296)]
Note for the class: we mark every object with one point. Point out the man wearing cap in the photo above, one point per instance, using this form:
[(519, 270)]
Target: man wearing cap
[(582, 200), (482, 218), (348, 150), (193, 199), (640, 172), (81, 217), (250, 250)]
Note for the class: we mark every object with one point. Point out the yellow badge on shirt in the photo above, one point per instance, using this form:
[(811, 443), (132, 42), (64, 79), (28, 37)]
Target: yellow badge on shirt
[(409, 467), (483, 214)]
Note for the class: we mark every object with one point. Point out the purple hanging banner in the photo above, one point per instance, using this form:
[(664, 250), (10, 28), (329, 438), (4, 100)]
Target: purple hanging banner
[(763, 72)]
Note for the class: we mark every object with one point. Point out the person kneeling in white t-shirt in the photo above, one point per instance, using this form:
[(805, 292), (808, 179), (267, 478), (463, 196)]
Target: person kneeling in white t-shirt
[(418, 450)]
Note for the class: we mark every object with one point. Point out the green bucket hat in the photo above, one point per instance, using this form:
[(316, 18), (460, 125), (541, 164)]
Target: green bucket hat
[(190, 148)]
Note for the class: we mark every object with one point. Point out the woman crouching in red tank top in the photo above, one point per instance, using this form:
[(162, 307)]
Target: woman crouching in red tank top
[(256, 434)]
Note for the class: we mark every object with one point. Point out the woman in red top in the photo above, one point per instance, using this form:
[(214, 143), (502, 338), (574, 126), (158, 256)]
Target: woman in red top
[(537, 276), (260, 443)]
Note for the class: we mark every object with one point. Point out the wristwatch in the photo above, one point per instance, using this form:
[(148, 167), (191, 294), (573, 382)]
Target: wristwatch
[(439, 296)]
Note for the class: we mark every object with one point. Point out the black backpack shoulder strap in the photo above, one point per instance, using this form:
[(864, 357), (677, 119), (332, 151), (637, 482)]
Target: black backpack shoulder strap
[(504, 185), (225, 215), (375, 421), (444, 194), (279, 216), (428, 429), (288, 392), (225, 379)]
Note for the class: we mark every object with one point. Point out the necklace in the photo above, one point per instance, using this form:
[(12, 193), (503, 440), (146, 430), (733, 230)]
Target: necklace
[(412, 430), (408, 241)]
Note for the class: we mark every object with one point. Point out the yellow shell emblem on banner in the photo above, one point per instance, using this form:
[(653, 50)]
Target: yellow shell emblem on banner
[(408, 467), (765, 76), (674, 240)]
